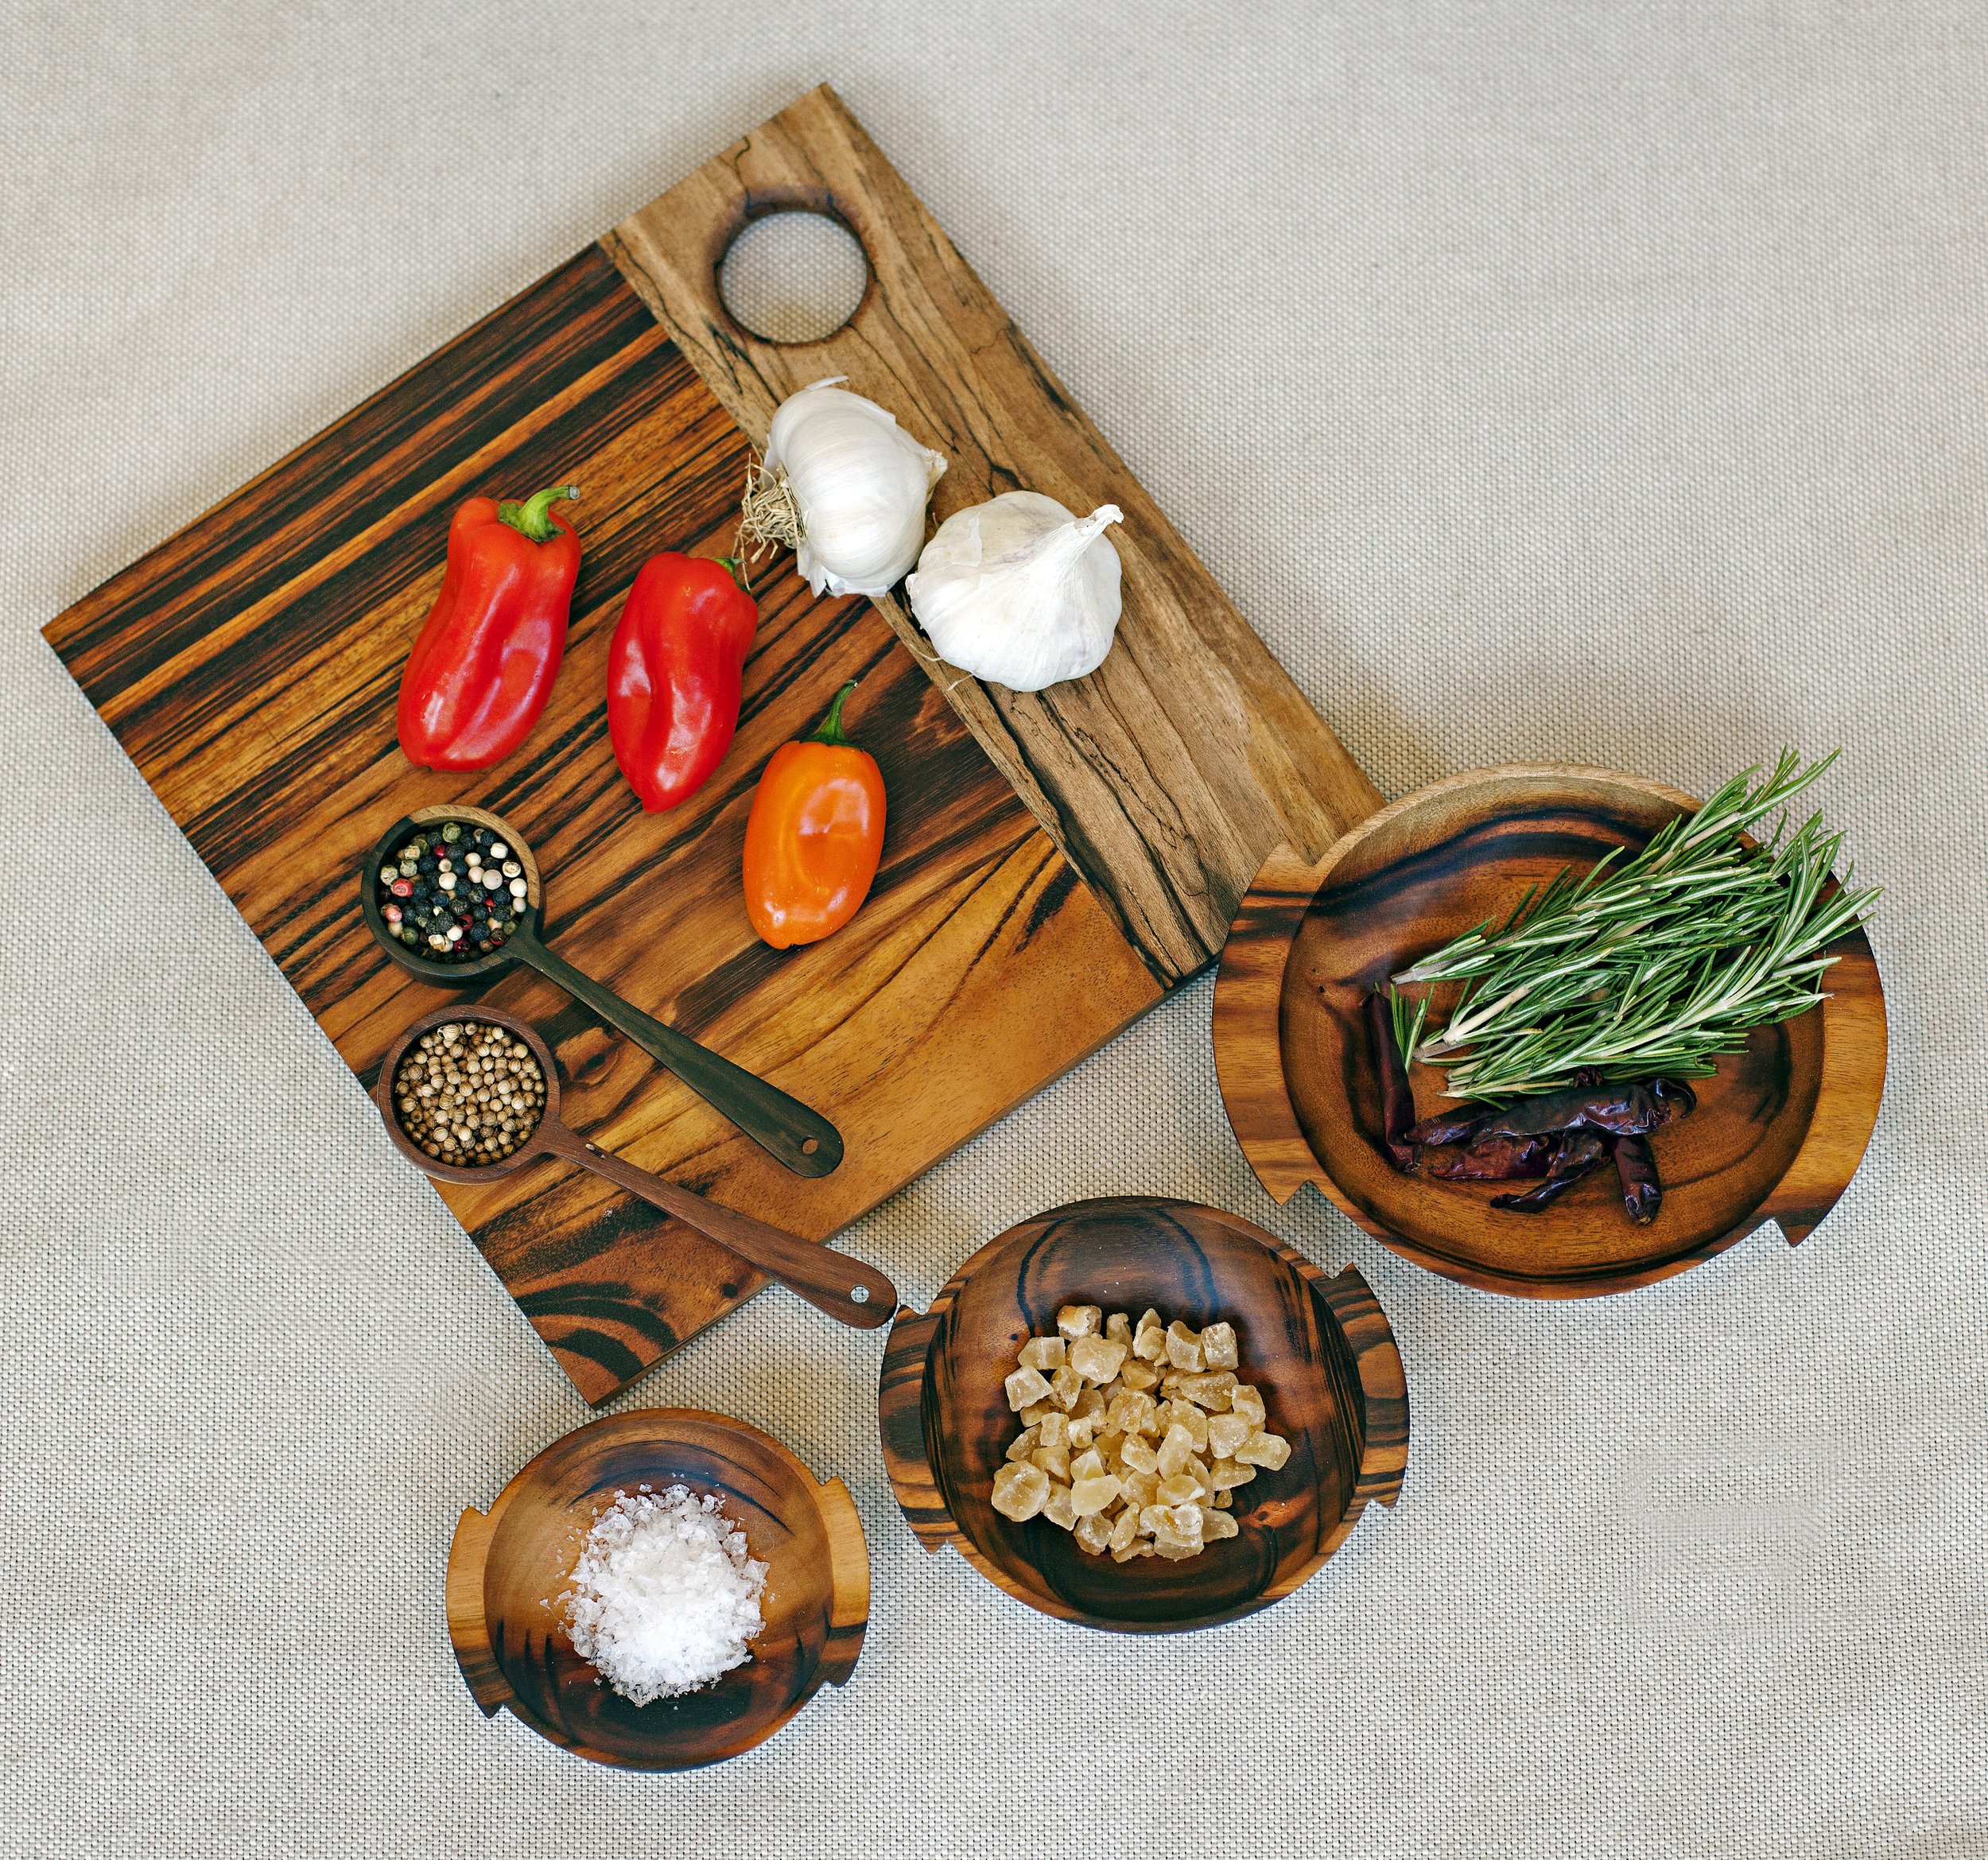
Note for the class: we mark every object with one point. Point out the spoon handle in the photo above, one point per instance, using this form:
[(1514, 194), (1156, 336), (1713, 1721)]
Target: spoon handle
[(847, 1289), (803, 1139)]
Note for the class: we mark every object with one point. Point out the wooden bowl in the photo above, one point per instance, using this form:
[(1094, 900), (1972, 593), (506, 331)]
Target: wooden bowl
[(1319, 1348), (507, 1569), (1776, 1136)]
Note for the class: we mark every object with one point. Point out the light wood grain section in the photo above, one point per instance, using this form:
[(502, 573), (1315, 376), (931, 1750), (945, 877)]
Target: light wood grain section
[(468, 1633), (1166, 775)]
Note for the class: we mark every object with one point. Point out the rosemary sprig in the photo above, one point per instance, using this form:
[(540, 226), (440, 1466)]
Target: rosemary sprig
[(1656, 965)]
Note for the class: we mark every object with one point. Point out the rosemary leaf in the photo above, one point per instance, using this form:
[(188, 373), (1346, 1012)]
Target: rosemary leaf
[(1656, 964)]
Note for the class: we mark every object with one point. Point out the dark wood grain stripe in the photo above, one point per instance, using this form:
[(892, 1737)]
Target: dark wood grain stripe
[(351, 477)]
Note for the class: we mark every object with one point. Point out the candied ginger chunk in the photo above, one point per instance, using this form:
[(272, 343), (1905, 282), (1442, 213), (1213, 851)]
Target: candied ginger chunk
[(1076, 1320), (1218, 1346), (1055, 1430), (1019, 1490), (1023, 1444), (1225, 1472), (1211, 1391), (1043, 1353), (1246, 1402), (1268, 1451), (1139, 1454), (1184, 1414), (1131, 1414), (1090, 1496), (1175, 1450), (1137, 1377), (1095, 1358), (1087, 1464), (1118, 1327), (1149, 1344), (1226, 1433), (1183, 1347), (1218, 1524), (1058, 1508), (1052, 1460), (1182, 1489), (1025, 1387), (1065, 1386), (1094, 1531)]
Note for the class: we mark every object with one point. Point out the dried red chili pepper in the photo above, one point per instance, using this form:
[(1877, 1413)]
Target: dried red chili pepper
[(483, 665), (1397, 1102), (1636, 1170), (675, 673), (1449, 1127), (1578, 1153), (1497, 1158), (1622, 1110)]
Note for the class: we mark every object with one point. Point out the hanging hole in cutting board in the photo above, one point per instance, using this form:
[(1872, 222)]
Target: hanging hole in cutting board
[(793, 277)]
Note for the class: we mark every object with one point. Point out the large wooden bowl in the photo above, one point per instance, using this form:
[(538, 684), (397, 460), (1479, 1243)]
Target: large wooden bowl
[(1319, 1348), (507, 1570), (1777, 1135)]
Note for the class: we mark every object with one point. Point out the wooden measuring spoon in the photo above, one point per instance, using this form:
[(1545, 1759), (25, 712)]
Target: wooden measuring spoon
[(845, 1289), (803, 1139)]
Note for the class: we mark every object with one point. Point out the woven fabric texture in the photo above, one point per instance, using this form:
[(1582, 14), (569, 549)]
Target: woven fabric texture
[(1600, 382)]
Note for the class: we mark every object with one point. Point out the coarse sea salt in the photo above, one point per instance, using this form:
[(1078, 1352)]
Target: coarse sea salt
[(664, 1598)]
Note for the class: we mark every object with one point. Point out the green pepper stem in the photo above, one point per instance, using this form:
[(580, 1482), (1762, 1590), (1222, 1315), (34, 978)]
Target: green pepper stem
[(737, 569), (533, 518), (831, 729)]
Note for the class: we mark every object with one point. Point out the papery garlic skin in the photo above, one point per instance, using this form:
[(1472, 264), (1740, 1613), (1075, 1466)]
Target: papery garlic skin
[(860, 484), (1021, 592)]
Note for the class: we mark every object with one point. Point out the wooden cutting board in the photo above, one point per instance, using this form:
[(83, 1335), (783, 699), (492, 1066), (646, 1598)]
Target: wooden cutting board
[(1054, 864)]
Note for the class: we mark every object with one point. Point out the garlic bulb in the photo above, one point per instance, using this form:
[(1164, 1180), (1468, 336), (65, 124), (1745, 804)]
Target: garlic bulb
[(844, 487), (1019, 591)]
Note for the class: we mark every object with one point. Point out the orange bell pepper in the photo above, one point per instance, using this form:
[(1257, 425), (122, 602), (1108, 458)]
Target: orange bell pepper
[(814, 835)]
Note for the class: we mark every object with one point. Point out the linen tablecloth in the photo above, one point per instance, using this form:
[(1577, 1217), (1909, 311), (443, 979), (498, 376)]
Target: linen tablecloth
[(1603, 383)]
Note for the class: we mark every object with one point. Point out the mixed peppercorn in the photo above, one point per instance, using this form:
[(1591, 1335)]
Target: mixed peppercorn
[(454, 892), (469, 1093)]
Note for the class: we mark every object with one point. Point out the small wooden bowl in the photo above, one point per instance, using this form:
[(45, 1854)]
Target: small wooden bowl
[(1319, 1348), (508, 1569), (1776, 1136)]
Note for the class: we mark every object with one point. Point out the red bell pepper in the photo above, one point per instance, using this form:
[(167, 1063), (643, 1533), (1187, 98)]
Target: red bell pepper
[(675, 673), (483, 665)]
